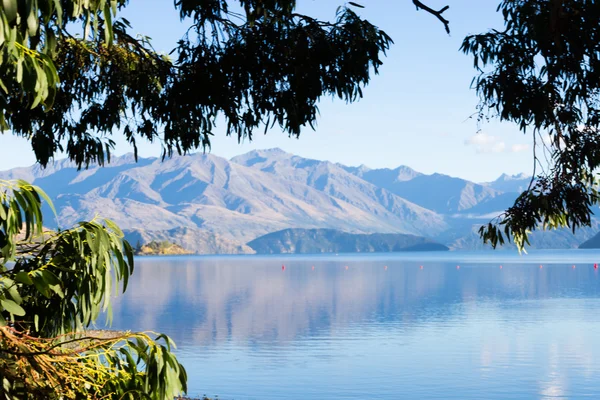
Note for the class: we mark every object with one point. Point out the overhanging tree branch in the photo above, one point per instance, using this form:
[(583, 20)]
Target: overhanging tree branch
[(437, 14)]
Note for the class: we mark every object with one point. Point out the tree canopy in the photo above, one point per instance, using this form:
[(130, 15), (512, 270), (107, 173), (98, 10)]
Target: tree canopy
[(542, 72), (254, 63)]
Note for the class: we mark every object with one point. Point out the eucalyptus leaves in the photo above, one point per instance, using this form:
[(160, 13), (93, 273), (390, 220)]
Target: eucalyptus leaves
[(542, 72), (71, 74), (54, 284), (30, 32)]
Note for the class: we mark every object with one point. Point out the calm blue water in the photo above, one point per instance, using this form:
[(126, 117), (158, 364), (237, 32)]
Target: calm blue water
[(246, 329)]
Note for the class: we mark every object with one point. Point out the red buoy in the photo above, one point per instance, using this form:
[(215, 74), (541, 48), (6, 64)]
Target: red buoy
[(574, 267), (313, 267), (501, 267), (541, 266), (595, 266), (283, 267), (458, 267), (385, 267), (421, 267), (346, 267)]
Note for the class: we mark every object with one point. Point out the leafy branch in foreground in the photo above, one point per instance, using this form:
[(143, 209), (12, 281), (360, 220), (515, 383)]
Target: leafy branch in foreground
[(124, 366), (260, 66), (57, 283), (541, 72)]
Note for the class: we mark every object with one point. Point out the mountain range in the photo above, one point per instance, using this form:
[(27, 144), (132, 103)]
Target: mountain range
[(209, 204)]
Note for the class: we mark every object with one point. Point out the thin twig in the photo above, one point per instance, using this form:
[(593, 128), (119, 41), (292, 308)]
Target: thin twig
[(437, 14)]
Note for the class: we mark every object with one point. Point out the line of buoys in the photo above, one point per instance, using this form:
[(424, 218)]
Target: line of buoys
[(457, 267)]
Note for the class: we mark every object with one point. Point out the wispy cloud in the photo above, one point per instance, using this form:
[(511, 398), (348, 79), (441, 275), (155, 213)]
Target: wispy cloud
[(518, 148), (485, 143)]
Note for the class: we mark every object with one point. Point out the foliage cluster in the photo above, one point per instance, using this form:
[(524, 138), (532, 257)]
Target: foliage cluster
[(55, 283), (542, 72), (260, 64)]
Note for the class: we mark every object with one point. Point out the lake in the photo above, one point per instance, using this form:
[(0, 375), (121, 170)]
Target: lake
[(376, 326)]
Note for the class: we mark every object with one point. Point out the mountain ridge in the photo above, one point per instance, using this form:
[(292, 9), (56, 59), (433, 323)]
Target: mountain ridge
[(225, 204)]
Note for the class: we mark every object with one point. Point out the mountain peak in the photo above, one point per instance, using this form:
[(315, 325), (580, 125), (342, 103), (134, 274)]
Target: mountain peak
[(259, 155), (510, 183), (517, 177), (358, 171), (272, 152), (126, 159), (404, 173)]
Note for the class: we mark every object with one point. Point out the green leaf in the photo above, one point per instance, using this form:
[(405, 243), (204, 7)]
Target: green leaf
[(19, 66), (58, 10), (355, 4), (40, 284), (32, 20), (12, 307), (108, 29), (49, 278), (23, 277), (14, 293), (10, 9)]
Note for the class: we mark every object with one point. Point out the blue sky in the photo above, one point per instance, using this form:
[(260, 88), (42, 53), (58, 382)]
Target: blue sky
[(415, 113)]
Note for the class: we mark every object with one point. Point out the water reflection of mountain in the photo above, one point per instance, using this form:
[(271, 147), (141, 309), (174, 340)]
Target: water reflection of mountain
[(251, 300)]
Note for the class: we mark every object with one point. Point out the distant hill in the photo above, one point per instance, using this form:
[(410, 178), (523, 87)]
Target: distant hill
[(162, 248), (592, 243), (194, 240), (540, 239), (313, 241)]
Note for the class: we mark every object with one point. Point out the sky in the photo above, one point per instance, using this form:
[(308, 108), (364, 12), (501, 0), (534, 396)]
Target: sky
[(417, 112)]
